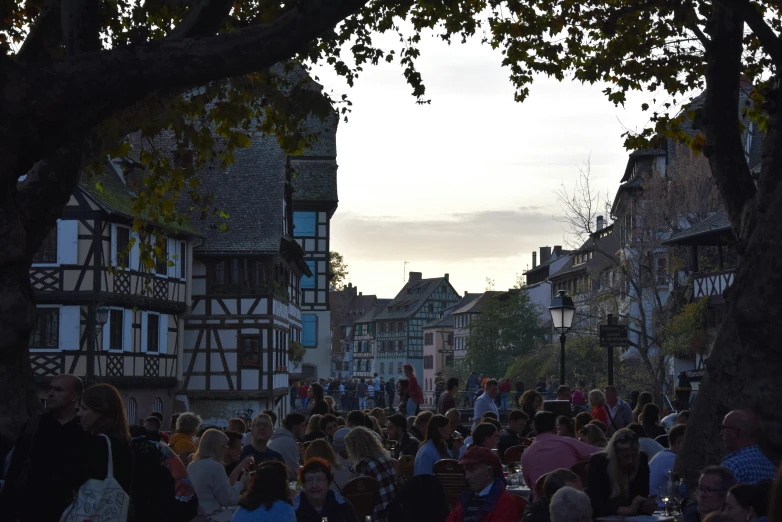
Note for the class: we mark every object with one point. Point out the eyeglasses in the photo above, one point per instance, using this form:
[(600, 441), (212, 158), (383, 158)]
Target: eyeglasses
[(709, 491)]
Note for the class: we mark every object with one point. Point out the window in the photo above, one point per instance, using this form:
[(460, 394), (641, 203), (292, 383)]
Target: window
[(309, 330), (399, 346), (47, 253), (250, 346), (153, 332), (309, 281), (183, 259), (254, 274), (157, 405), (450, 339), (400, 327), (431, 308), (399, 367), (382, 367), (428, 362), (662, 271), (47, 330), (122, 243), (304, 224), (161, 263), (116, 329), (131, 410), (345, 366), (429, 339)]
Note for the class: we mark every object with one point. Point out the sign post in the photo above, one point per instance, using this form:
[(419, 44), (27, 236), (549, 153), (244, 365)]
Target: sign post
[(613, 335)]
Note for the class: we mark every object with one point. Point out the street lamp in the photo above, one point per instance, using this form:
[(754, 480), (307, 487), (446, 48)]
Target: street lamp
[(101, 317), (562, 313)]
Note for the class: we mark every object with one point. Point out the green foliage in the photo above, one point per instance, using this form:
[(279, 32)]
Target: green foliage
[(338, 271), (296, 352), (686, 332), (507, 327)]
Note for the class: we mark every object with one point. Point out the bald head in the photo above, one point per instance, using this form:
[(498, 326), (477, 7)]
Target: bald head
[(740, 429), (64, 395)]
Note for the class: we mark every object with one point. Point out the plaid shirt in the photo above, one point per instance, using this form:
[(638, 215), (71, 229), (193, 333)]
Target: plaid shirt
[(749, 465), (381, 469)]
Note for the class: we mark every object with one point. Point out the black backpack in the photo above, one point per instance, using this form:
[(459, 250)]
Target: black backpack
[(421, 500)]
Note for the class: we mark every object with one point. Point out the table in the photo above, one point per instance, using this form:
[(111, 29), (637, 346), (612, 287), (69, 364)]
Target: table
[(522, 491), (638, 518)]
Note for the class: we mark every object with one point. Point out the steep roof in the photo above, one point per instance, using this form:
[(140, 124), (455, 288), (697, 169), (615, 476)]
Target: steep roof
[(633, 157), (712, 230), (357, 308), (412, 296), (477, 304), (373, 312), (552, 258), (314, 180), (443, 322), (608, 244)]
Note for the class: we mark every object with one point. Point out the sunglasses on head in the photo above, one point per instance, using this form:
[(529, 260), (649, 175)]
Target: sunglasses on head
[(625, 438)]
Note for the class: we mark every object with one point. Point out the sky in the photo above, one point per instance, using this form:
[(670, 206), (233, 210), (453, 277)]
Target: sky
[(464, 186)]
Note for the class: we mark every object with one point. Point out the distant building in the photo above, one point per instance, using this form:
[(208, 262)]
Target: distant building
[(363, 358), (467, 311), (348, 306), (438, 352)]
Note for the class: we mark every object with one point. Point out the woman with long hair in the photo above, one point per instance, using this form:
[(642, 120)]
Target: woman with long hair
[(485, 435), (650, 420), (267, 498), (380, 415), (746, 503), (597, 401), (619, 478), (643, 399), (371, 460), (317, 500), (102, 412), (591, 434), (313, 429), (415, 395), (215, 489), (581, 420), (531, 403), (317, 405), (565, 426), (341, 475), (434, 447)]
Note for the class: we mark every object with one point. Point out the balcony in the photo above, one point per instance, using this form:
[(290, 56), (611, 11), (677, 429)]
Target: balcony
[(712, 284)]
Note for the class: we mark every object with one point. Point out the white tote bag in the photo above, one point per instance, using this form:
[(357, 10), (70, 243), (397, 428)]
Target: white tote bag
[(99, 500)]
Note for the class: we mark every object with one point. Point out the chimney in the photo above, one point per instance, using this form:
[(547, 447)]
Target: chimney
[(557, 250), (599, 224), (446, 277), (545, 254), (465, 293), (361, 293), (415, 276), (534, 259)]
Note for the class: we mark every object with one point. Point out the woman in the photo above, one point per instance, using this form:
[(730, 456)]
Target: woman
[(579, 402), (415, 395), (317, 501), (375, 426), (317, 405), (650, 420), (216, 490), (371, 460), (592, 435), (187, 425), (746, 503), (330, 403), (485, 435), (267, 499), (619, 478), (380, 415), (643, 399), (519, 391), (434, 447), (581, 420), (341, 475), (565, 426), (597, 401), (401, 390), (531, 403), (102, 412), (633, 399), (313, 429)]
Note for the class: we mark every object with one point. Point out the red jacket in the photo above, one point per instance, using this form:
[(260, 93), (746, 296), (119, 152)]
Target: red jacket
[(506, 510), (600, 413), (505, 387), (414, 390), (304, 391)]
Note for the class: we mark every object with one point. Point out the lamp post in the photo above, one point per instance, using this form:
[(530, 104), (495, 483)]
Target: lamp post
[(562, 312), (101, 317)]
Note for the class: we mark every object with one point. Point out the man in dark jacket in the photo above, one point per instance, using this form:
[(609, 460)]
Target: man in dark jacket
[(396, 430), (538, 511), (511, 436)]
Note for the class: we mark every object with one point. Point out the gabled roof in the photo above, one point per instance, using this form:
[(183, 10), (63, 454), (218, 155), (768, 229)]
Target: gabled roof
[(412, 296), (443, 322), (314, 180), (608, 244), (552, 258), (633, 157), (373, 312), (477, 304), (714, 230), (358, 307)]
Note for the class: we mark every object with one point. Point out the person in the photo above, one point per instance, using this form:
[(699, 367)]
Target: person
[(317, 403), (592, 435), (485, 402), (740, 432), (380, 394), (371, 460), (285, 441), (619, 413), (215, 489), (433, 448), (486, 435), (581, 420), (380, 415), (633, 399), (578, 403), (541, 386), (233, 452), (362, 394), (683, 417), (418, 430), (661, 463), (549, 451), (267, 498), (511, 436), (538, 510), (531, 403), (341, 475), (472, 386), (649, 446), (565, 426), (455, 420), (643, 399), (519, 391), (599, 411), (396, 430), (330, 404), (390, 392), (504, 393), (313, 431), (563, 393), (294, 394), (619, 478), (650, 418), (44, 453), (152, 425), (486, 500), (600, 425), (570, 505), (317, 500), (415, 396), (238, 425), (712, 492), (746, 503), (669, 421), (258, 449), (448, 399), (182, 441), (329, 425), (304, 394)]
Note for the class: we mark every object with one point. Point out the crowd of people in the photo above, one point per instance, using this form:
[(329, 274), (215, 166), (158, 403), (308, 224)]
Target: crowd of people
[(582, 455)]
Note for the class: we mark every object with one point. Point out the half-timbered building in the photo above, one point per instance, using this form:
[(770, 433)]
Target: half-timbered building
[(86, 273)]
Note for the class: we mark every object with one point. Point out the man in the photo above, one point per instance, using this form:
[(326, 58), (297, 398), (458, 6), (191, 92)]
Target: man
[(455, 422), (472, 386), (538, 511), (377, 388), (396, 430), (329, 426), (152, 427), (258, 448), (304, 395), (664, 461), (233, 454), (570, 505), (740, 432), (550, 451), (511, 436), (683, 417), (44, 455), (362, 394), (391, 391), (620, 415), (540, 387), (448, 399), (669, 421), (236, 424), (285, 441), (294, 393), (163, 435), (485, 402), (421, 422), (487, 498), (712, 491)]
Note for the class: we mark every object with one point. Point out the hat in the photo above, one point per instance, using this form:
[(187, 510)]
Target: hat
[(480, 455), (339, 439), (578, 397)]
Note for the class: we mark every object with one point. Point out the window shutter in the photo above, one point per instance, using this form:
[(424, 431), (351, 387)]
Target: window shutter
[(106, 333), (173, 250), (144, 316), (113, 252), (127, 330), (135, 252), (67, 242), (163, 334), (70, 322)]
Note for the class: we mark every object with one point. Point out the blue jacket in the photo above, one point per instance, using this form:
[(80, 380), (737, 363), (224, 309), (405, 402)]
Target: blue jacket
[(280, 512), (426, 458)]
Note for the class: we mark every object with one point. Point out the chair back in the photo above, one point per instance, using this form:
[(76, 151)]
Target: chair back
[(582, 470), (453, 479), (527, 442), (662, 440), (363, 493), (538, 491), (513, 454), (406, 469)]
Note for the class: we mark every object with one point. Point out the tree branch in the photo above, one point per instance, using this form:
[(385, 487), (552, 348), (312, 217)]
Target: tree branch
[(44, 37), (768, 39), (203, 18), (80, 26)]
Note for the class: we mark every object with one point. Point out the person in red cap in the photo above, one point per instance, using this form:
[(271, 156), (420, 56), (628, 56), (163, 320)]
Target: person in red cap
[(486, 500)]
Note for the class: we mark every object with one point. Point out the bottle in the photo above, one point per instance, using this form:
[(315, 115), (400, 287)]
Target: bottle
[(368, 518)]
